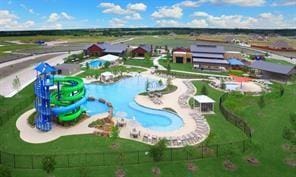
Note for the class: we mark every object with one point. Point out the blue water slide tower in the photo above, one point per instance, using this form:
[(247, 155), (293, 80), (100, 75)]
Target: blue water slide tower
[(44, 80)]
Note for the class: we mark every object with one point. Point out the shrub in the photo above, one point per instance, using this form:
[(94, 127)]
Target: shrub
[(114, 133), (107, 64), (4, 171), (48, 164), (31, 119), (157, 151), (236, 72)]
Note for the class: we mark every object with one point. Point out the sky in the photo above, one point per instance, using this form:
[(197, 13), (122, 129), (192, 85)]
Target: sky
[(73, 14)]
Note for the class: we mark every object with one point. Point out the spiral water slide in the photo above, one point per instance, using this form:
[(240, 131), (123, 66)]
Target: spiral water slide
[(68, 99)]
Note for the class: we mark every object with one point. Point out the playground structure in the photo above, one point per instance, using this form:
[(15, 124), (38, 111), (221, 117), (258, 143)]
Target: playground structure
[(63, 102)]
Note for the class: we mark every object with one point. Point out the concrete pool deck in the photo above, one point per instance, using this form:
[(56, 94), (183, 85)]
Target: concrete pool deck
[(33, 135)]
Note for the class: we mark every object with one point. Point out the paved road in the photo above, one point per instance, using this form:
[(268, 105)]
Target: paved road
[(26, 76)]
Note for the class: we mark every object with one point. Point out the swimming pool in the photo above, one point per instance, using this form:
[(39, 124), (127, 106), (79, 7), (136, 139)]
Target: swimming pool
[(231, 86), (121, 94), (96, 63)]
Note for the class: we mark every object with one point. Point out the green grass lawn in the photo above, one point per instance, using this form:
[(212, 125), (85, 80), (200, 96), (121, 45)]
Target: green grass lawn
[(15, 48), (267, 141), (139, 62), (221, 130), (177, 66), (278, 61)]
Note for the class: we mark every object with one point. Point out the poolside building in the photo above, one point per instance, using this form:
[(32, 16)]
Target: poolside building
[(68, 69), (141, 50), (208, 57), (107, 76), (104, 48), (204, 103), (113, 59), (272, 71)]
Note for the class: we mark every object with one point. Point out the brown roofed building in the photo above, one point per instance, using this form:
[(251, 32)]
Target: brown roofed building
[(141, 50)]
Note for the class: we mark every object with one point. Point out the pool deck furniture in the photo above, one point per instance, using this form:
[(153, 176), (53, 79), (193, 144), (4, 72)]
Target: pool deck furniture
[(195, 128)]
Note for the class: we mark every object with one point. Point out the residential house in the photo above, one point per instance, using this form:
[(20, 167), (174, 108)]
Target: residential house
[(141, 50)]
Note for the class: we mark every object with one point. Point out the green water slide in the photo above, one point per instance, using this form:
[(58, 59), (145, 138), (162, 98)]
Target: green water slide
[(66, 103)]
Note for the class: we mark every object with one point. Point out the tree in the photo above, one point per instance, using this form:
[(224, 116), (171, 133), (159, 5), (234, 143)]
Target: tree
[(204, 90), (157, 151), (261, 102), (114, 133), (160, 82), (48, 164), (87, 65), (4, 171), (169, 68), (107, 64), (16, 84), (223, 85), (147, 56)]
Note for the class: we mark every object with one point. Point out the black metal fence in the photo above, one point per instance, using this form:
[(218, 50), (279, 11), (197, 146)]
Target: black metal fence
[(8, 112), (234, 119), (23, 161)]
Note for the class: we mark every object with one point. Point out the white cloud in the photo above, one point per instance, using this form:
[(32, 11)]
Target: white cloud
[(263, 20), (66, 16), (30, 10), (137, 7), (188, 3), (284, 3), (244, 2), (9, 21), (117, 23), (131, 12), (111, 8), (135, 16), (200, 14), (168, 23), (168, 12), (54, 17)]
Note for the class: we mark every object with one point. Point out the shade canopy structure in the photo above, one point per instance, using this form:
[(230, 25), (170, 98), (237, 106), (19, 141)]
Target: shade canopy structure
[(109, 58), (205, 103)]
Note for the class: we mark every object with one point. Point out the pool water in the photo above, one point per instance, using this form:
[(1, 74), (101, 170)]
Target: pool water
[(96, 63), (121, 94), (232, 86)]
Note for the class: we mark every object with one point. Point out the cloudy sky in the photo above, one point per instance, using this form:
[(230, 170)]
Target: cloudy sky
[(65, 14)]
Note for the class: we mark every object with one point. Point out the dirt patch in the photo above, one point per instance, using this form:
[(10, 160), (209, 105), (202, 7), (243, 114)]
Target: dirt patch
[(290, 161), (228, 165), (289, 148)]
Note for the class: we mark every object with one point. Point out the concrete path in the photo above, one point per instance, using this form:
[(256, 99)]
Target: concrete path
[(156, 63), (26, 76), (33, 135)]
